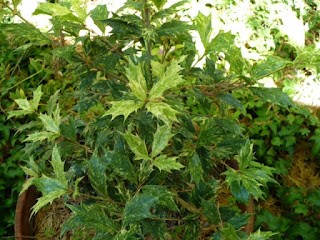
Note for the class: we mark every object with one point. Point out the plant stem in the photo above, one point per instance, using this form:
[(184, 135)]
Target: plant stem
[(147, 41)]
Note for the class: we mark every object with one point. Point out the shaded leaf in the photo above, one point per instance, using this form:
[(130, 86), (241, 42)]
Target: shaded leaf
[(174, 28), (195, 168), (97, 167)]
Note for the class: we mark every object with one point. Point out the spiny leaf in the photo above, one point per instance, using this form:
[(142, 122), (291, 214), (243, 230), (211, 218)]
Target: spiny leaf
[(161, 139), (271, 65), (55, 9), (137, 146), (221, 42), (123, 107), (50, 188), (58, 165), (195, 168), (273, 95), (36, 98), (40, 136), (162, 111), (174, 28), (165, 163), (100, 13), (52, 103), (49, 123), (91, 217), (97, 167), (203, 26), (18, 113), (24, 104), (137, 82), (138, 208), (170, 79), (159, 3), (166, 198)]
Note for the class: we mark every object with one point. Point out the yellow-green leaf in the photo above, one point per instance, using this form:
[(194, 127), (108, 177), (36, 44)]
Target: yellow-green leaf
[(169, 79), (124, 107), (137, 146), (163, 111), (137, 81), (161, 139), (164, 163)]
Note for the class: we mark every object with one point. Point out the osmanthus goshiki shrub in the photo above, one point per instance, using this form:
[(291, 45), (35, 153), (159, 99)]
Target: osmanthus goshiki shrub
[(148, 147)]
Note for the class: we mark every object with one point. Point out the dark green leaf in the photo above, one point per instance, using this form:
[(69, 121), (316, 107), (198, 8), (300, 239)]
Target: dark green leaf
[(174, 28), (269, 66), (231, 100), (195, 168), (97, 167), (159, 3), (239, 192), (273, 95), (98, 14)]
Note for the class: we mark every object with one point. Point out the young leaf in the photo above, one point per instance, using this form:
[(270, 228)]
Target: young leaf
[(40, 136), (36, 98), (58, 165), (163, 111), (161, 139), (137, 146), (124, 107), (137, 82), (164, 163), (24, 104), (51, 189), (49, 123), (170, 79)]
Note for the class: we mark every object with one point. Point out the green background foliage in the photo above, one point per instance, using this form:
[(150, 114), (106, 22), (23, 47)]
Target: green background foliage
[(148, 132)]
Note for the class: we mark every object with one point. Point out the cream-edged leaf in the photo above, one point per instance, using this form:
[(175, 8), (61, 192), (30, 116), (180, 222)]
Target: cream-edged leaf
[(124, 107), (161, 139), (164, 163), (137, 146), (168, 80), (137, 81), (163, 111)]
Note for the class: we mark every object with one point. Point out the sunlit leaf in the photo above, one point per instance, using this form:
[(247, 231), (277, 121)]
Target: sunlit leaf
[(170, 79), (40, 136), (124, 108), (58, 165), (36, 98), (159, 3), (161, 139), (137, 146), (163, 111), (49, 123), (165, 163), (137, 82)]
